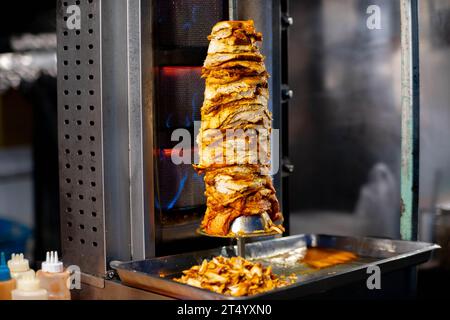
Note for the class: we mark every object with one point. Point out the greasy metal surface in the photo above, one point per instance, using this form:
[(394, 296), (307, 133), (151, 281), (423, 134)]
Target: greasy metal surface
[(250, 224), (80, 138), (114, 291), (389, 255), (410, 104), (344, 118)]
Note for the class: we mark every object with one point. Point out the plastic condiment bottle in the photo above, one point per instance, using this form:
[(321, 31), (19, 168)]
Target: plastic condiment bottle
[(7, 284), (28, 289), (18, 266), (53, 277)]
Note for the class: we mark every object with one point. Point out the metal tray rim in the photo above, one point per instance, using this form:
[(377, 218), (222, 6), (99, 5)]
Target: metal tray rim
[(427, 247)]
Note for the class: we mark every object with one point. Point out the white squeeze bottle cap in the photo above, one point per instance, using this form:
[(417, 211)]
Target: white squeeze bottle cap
[(28, 282), (52, 264), (18, 263)]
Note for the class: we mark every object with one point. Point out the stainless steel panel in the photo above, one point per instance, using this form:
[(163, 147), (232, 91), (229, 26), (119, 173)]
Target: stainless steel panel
[(140, 87), (80, 135), (345, 118), (114, 291), (389, 255), (116, 128)]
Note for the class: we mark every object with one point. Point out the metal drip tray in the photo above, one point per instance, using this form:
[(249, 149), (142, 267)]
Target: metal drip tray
[(389, 255)]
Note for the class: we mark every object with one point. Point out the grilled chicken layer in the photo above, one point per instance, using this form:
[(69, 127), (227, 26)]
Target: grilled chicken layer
[(235, 116)]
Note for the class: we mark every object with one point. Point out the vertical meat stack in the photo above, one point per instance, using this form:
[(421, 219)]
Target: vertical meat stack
[(234, 138)]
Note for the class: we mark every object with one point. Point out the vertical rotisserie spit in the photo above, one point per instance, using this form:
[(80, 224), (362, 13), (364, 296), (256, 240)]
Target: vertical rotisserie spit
[(234, 138)]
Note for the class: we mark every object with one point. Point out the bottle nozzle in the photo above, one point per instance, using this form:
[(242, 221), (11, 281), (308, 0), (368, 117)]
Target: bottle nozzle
[(5, 275), (52, 263), (18, 263)]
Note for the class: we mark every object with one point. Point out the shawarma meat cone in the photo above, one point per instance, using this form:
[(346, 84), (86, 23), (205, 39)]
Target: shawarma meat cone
[(234, 138)]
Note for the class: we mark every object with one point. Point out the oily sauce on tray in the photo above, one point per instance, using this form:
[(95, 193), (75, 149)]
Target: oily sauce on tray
[(319, 258)]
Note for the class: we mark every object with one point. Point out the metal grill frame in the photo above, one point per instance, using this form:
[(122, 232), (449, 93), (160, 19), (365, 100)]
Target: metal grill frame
[(105, 120), (80, 138)]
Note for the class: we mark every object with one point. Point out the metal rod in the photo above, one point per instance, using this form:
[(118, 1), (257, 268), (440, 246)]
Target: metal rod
[(232, 10), (410, 104), (241, 247)]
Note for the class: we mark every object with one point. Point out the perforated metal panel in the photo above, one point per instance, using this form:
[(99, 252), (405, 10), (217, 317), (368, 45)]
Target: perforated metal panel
[(80, 137)]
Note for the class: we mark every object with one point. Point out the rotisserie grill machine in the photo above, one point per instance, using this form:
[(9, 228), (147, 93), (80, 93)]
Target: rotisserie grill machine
[(128, 76)]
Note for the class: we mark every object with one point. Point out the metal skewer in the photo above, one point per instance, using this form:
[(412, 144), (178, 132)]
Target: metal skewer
[(232, 10), (246, 227), (241, 247)]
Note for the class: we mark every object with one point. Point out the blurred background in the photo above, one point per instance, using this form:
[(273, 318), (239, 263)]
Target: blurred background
[(344, 129), (28, 128)]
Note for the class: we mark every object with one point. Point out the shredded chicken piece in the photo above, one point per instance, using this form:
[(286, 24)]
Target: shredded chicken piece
[(234, 276)]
